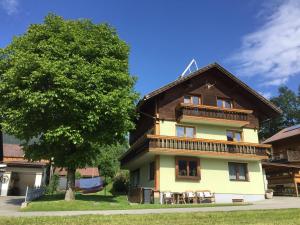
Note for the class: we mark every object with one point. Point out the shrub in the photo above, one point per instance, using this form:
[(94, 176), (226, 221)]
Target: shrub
[(121, 182), (53, 184), (77, 175)]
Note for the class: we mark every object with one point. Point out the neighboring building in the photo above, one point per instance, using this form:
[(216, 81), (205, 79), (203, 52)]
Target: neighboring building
[(19, 172), (200, 133), (89, 172), (283, 167)]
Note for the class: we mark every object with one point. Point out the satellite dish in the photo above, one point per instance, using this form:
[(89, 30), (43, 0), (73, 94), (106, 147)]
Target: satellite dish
[(192, 67)]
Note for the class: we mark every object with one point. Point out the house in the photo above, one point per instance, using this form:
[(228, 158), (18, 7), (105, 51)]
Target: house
[(17, 172), (283, 167), (200, 132)]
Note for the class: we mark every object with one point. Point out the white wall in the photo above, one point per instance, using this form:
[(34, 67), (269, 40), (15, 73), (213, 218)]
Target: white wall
[(38, 179), (4, 187)]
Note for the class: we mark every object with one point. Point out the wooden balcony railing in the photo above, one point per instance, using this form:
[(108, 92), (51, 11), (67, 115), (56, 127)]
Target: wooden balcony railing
[(211, 112), (159, 143), (197, 144)]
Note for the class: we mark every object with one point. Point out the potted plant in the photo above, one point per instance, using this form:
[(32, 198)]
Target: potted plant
[(269, 193)]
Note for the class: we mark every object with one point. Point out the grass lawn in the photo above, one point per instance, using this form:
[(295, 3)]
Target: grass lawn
[(266, 217), (98, 202)]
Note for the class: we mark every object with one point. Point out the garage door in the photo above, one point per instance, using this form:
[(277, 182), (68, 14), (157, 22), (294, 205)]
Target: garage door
[(19, 182)]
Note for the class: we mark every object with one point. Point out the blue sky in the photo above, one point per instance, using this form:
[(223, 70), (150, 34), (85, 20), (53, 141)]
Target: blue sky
[(258, 41)]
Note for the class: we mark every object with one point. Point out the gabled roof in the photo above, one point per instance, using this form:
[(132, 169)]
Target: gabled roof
[(285, 133), (12, 150), (85, 172), (201, 71)]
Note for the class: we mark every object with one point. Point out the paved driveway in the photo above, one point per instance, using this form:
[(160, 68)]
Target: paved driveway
[(275, 203), (10, 203)]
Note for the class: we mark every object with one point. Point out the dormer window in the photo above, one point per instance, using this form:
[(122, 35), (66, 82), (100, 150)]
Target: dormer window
[(191, 99), (224, 103)]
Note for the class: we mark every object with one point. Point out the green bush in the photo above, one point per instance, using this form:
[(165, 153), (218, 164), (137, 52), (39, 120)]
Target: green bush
[(53, 185), (77, 175), (121, 182)]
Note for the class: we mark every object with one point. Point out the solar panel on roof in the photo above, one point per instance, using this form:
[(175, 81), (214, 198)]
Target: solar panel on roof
[(297, 126)]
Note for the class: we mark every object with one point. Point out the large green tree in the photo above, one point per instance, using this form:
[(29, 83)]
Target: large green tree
[(289, 103), (65, 87), (108, 160)]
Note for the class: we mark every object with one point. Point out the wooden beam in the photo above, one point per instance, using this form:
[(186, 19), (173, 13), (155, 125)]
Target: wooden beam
[(157, 173), (157, 128), (296, 186), (188, 105), (239, 123), (169, 151)]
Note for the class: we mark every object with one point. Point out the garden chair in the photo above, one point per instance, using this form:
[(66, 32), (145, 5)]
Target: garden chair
[(200, 196), (181, 198), (190, 196), (168, 198), (209, 196)]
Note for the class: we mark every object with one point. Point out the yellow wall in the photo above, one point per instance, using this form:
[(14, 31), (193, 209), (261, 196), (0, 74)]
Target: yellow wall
[(214, 177), (250, 135), (144, 176), (208, 131)]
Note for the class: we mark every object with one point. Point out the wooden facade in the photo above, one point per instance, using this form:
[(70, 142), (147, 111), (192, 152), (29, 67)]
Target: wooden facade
[(284, 174), (287, 150), (210, 84), (283, 179)]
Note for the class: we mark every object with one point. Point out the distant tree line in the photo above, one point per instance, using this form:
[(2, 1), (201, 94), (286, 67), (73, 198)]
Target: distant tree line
[(289, 102)]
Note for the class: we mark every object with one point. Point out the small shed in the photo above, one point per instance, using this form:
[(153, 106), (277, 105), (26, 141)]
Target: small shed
[(284, 179)]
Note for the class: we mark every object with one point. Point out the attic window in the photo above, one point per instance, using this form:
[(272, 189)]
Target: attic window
[(190, 99), (224, 103)]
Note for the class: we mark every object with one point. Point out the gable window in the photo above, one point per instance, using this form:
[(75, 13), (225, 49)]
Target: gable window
[(238, 171), (190, 99), (187, 168), (224, 103), (185, 131), (151, 170), (233, 135)]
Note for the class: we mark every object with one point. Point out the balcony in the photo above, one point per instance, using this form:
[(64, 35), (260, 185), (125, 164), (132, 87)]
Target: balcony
[(291, 156), (206, 145), (204, 114), (159, 144)]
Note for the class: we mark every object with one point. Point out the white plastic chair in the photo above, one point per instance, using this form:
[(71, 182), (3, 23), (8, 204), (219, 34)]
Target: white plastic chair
[(168, 197), (190, 196)]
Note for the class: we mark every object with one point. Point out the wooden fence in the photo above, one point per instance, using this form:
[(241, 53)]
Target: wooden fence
[(34, 193)]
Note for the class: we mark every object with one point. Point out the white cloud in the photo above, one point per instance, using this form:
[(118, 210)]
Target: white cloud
[(267, 95), (273, 50), (10, 6)]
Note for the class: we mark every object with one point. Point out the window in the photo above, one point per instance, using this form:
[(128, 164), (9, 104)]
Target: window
[(224, 103), (195, 100), (151, 171), (187, 168), (233, 135), (238, 171), (185, 131)]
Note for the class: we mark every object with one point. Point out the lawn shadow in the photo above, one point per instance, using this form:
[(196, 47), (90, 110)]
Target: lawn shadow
[(81, 197), (53, 197), (97, 198)]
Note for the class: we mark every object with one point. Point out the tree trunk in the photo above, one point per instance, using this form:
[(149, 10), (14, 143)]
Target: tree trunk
[(70, 193)]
